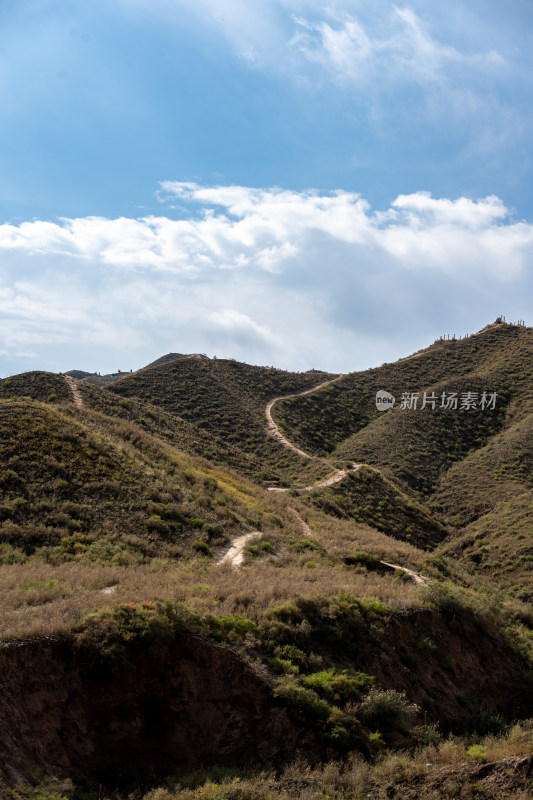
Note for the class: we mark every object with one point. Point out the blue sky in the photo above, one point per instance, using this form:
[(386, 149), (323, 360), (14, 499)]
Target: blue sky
[(287, 182)]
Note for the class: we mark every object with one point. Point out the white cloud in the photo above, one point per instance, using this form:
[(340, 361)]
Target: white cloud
[(297, 279), (238, 326), (393, 65), (276, 230), (400, 49)]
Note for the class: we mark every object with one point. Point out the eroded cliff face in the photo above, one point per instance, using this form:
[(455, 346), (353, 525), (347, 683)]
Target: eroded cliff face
[(166, 708), (189, 705), (452, 667)]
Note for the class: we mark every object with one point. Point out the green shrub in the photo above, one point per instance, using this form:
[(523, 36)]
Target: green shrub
[(49, 584), (10, 479), (288, 612), (304, 699), (72, 509), (339, 687), (10, 554), (109, 634), (376, 740), (282, 666), (274, 520), (364, 559), (157, 525), (387, 710), (201, 547), (477, 752), (291, 653), (428, 735), (301, 545), (213, 530), (19, 502), (230, 627)]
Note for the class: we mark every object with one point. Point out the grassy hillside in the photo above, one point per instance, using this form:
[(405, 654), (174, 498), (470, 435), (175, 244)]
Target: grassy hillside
[(153, 419), (166, 425), (77, 487), (44, 386), (471, 469), (224, 398), (369, 619), (418, 446), (498, 546), (499, 471), (497, 359), (368, 497)]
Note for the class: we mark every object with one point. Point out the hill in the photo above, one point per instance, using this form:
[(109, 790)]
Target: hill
[(464, 466), (370, 614), (227, 399), (106, 491), (169, 358), (499, 356)]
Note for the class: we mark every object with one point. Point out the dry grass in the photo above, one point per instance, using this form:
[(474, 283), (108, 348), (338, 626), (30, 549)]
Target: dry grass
[(432, 772), (42, 599)]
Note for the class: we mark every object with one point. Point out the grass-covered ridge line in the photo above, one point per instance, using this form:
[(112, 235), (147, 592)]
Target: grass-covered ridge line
[(501, 357), (225, 398)]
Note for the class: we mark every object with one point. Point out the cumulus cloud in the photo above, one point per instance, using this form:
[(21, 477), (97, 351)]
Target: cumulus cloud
[(292, 278), (274, 230)]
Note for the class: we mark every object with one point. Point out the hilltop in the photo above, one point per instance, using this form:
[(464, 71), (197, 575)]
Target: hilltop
[(226, 399)]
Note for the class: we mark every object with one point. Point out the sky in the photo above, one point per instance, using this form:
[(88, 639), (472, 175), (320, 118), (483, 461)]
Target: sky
[(293, 183)]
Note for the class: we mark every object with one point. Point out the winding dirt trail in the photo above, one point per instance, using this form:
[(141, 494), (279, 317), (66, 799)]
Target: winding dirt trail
[(305, 527), (335, 478), (235, 555), (416, 577), (273, 428), (74, 391)]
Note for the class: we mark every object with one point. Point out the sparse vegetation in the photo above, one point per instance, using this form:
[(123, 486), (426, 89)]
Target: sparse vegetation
[(114, 516)]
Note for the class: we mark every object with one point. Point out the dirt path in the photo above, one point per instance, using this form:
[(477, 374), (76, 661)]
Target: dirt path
[(335, 478), (74, 391), (235, 555), (416, 577), (420, 580), (305, 527), (273, 428)]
